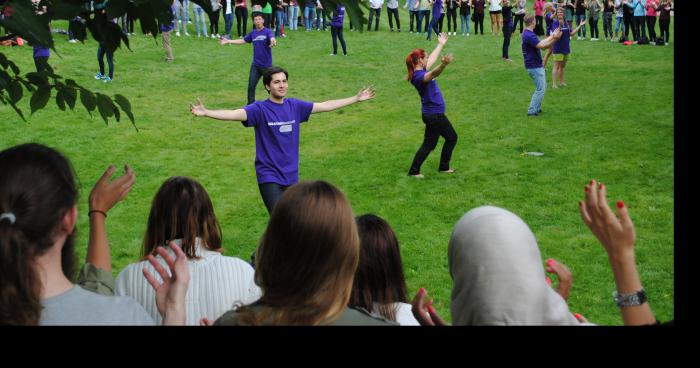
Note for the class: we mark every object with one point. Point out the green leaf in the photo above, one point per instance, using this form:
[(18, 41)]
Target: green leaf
[(104, 105), (40, 98), (116, 8), (3, 60), (4, 80), (38, 79), (88, 100), (117, 115), (15, 91), (60, 100), (14, 67), (70, 95), (126, 107), (71, 83)]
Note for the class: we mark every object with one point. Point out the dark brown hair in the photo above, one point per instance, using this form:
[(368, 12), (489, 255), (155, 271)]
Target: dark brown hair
[(182, 210), (306, 258), (37, 186), (379, 277)]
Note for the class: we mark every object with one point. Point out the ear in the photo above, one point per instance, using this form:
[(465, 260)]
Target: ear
[(69, 220)]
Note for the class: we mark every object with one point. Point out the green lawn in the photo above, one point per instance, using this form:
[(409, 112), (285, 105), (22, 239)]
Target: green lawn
[(613, 123)]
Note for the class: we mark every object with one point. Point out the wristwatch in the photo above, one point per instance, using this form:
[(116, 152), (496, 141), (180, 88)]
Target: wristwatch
[(636, 298)]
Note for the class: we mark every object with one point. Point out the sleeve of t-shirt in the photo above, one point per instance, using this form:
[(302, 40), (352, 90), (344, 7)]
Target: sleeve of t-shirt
[(254, 114), (303, 109), (531, 40), (248, 38), (418, 76)]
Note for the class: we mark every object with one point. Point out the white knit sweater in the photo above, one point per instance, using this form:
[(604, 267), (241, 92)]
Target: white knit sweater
[(217, 284)]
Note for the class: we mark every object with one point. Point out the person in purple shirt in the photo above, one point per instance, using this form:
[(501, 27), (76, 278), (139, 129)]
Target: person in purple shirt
[(277, 122), (533, 61), (337, 29), (561, 48), (437, 17), (432, 106), (263, 39)]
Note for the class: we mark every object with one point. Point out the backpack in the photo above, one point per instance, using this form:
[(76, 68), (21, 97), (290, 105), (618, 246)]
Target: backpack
[(660, 41), (643, 40)]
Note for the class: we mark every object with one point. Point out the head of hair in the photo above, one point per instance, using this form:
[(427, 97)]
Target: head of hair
[(269, 72), (306, 259), (529, 19), (256, 14), (38, 187), (411, 61), (182, 210), (379, 278)]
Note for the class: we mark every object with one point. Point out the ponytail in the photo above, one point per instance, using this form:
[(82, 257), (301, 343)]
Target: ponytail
[(411, 61), (20, 303)]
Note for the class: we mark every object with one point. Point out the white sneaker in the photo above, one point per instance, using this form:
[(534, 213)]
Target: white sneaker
[(187, 34), (177, 33)]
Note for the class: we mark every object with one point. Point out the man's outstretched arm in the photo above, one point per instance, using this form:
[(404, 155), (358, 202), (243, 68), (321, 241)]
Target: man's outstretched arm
[(200, 110), (365, 93)]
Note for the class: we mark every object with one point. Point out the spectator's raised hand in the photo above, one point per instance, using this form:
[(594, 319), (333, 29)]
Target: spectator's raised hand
[(106, 194), (423, 310), (563, 275), (171, 293)]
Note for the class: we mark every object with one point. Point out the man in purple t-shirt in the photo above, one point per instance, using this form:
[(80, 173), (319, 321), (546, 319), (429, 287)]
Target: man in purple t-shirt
[(263, 39), (533, 61), (277, 121)]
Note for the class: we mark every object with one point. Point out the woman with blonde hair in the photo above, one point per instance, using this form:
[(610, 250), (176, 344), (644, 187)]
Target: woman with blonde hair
[(305, 263)]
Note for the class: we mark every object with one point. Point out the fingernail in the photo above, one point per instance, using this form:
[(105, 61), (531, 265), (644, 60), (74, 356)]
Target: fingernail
[(550, 262), (602, 186), (578, 316), (421, 290), (431, 309), (585, 189), (620, 204), (592, 182), (548, 280)]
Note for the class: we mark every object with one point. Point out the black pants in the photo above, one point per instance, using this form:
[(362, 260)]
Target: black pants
[(507, 32), (478, 21), (627, 21), (41, 63), (254, 76), (638, 28), (607, 24), (452, 20), (395, 12), (241, 20), (539, 25), (372, 14), (651, 25), (441, 21), (436, 125), (664, 26), (412, 15), (594, 27), (271, 193), (518, 19), (214, 22), (336, 33)]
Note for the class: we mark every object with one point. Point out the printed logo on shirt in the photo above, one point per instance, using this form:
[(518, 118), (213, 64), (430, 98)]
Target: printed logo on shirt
[(285, 126), (260, 38)]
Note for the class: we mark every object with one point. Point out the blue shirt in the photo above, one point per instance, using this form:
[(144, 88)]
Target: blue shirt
[(277, 138), (561, 46), (338, 16), (531, 54), (262, 53), (40, 51), (437, 9), (430, 96)]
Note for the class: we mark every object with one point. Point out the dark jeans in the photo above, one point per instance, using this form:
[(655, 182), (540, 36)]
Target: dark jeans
[(41, 62), (607, 24), (478, 22), (271, 193), (436, 125), (395, 12), (594, 27), (337, 32), (627, 20), (242, 19), (507, 32), (664, 26), (256, 73), (374, 13), (435, 26), (638, 30), (412, 15), (452, 20), (110, 60), (423, 14), (518, 19), (651, 25), (214, 22)]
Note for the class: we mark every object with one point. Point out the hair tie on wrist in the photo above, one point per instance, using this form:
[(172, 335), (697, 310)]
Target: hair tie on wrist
[(10, 216), (98, 211)]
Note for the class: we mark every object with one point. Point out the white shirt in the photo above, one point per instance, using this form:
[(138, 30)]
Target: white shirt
[(217, 285), (376, 4), (228, 7), (392, 4), (403, 313)]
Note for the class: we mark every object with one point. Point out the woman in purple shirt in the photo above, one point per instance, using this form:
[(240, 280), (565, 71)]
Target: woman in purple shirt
[(432, 106), (561, 49), (277, 121), (337, 29)]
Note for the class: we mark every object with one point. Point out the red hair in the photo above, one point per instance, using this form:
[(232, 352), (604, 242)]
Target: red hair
[(411, 61)]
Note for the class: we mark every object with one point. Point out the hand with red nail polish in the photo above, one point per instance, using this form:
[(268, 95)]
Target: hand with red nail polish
[(563, 275), (423, 310)]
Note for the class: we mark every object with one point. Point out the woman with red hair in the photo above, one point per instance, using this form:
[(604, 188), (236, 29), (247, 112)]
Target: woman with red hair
[(432, 106)]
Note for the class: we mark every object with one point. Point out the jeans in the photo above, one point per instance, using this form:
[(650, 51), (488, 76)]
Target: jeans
[(337, 32), (651, 25), (199, 16), (619, 25), (279, 16), (478, 21), (186, 7), (374, 13), (507, 32), (309, 17), (540, 79), (594, 27), (664, 25), (627, 20), (434, 26), (242, 19), (436, 125), (580, 18), (101, 51), (228, 24), (519, 18), (214, 22), (180, 17), (320, 18), (254, 76), (293, 15), (412, 15), (607, 24), (271, 193), (465, 22), (638, 27), (395, 12), (452, 20)]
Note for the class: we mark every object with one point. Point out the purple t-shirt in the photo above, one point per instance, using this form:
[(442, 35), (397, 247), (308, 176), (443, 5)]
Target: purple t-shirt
[(262, 53), (561, 46), (41, 51), (531, 54), (338, 16), (437, 9), (277, 138), (430, 97)]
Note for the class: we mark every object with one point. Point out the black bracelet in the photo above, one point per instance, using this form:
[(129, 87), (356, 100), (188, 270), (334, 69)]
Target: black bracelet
[(98, 211)]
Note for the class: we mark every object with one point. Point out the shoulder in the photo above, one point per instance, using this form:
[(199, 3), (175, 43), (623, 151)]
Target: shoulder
[(361, 317)]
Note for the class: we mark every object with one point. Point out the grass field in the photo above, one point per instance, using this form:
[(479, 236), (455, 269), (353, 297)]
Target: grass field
[(614, 123)]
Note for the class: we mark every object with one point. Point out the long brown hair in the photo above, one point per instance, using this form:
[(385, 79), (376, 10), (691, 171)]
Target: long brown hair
[(306, 258), (182, 210), (411, 61), (379, 277), (37, 188)]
